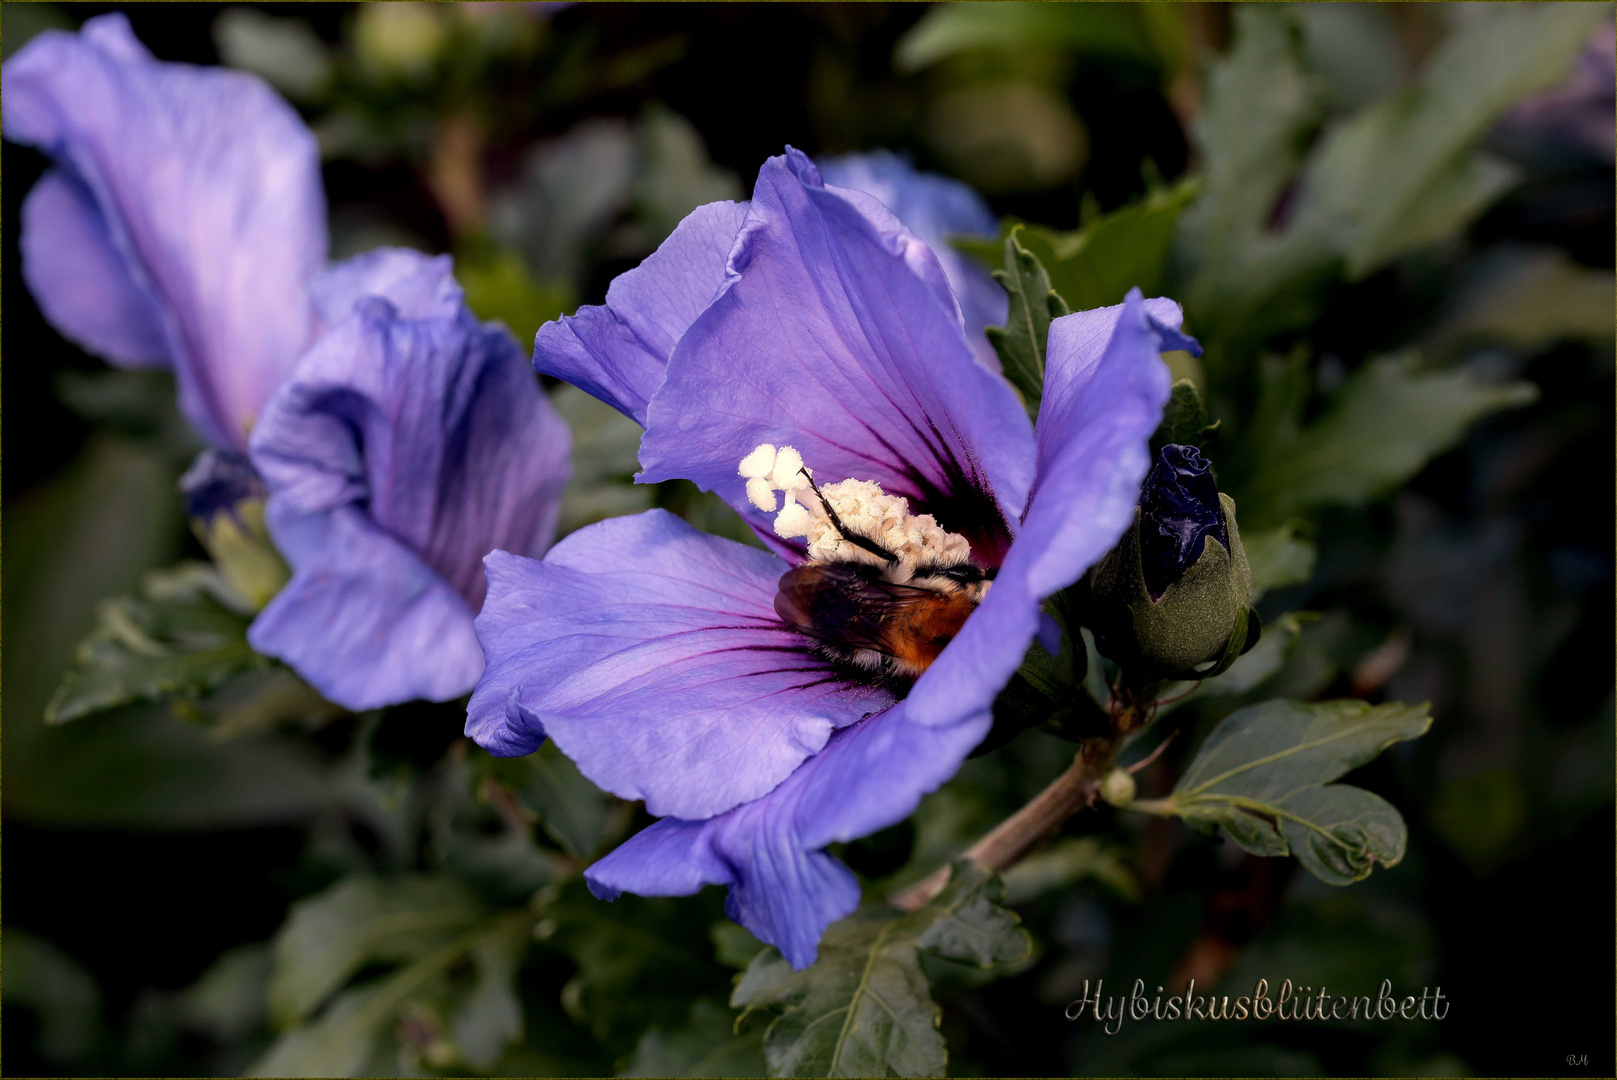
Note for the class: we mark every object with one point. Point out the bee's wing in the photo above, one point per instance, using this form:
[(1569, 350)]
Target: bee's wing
[(840, 605)]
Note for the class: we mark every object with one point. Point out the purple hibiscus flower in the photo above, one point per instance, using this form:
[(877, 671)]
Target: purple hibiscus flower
[(617, 351), (806, 344), (937, 209), (181, 224), (409, 442), (397, 440)]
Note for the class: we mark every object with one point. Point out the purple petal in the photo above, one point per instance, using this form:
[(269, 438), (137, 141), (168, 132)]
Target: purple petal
[(937, 209), (435, 432), (207, 188), (363, 619), (81, 281), (1104, 388), (837, 333), (652, 654), (782, 886), (618, 351), (418, 286)]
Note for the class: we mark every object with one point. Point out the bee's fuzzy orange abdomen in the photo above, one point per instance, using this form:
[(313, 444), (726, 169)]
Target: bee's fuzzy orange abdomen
[(918, 634)]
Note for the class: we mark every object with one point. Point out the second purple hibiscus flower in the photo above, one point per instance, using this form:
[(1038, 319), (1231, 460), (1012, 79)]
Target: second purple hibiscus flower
[(396, 438), (806, 336)]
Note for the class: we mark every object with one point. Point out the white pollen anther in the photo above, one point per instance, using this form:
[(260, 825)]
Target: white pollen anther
[(794, 520), (788, 471), (760, 494), (860, 505), (758, 464)]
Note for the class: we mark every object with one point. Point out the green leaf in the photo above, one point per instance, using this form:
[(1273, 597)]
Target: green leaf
[(1278, 557), (499, 288), (1097, 265), (673, 173), (640, 961), (1401, 174), (967, 923), (229, 1001), (579, 816), (344, 1039), (449, 958), (1530, 298), (1128, 248), (1114, 30), (1184, 419), (706, 1046), (606, 448), (1385, 424), (331, 936), (286, 53), (1397, 175), (185, 634), (1243, 281), (87, 534), (1264, 775), (61, 994), (490, 1017), (1021, 342), (1064, 864), (864, 1007)]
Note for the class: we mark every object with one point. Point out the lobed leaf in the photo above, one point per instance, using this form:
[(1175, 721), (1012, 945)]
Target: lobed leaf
[(706, 1045), (429, 924), (1385, 424), (864, 1008), (1278, 557), (1401, 173), (1184, 419), (1065, 863), (184, 634), (331, 936), (1021, 342), (1097, 265), (575, 813), (1243, 281)]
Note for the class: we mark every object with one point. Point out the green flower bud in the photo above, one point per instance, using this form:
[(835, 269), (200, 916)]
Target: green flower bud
[(1173, 594), (225, 501)]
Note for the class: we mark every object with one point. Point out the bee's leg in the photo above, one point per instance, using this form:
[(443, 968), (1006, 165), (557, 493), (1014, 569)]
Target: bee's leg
[(851, 537)]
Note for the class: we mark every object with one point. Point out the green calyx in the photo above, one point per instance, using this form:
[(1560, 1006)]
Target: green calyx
[(241, 548)]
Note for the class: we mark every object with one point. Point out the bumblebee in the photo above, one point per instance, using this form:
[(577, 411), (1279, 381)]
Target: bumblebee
[(887, 618)]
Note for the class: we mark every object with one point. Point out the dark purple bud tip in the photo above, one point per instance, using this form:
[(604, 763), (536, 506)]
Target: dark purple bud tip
[(1179, 508), (217, 481)]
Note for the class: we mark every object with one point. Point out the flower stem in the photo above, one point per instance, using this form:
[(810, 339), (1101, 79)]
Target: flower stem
[(1013, 839)]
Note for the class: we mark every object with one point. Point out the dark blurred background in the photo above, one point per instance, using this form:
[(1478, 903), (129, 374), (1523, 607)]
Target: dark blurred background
[(142, 851)]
